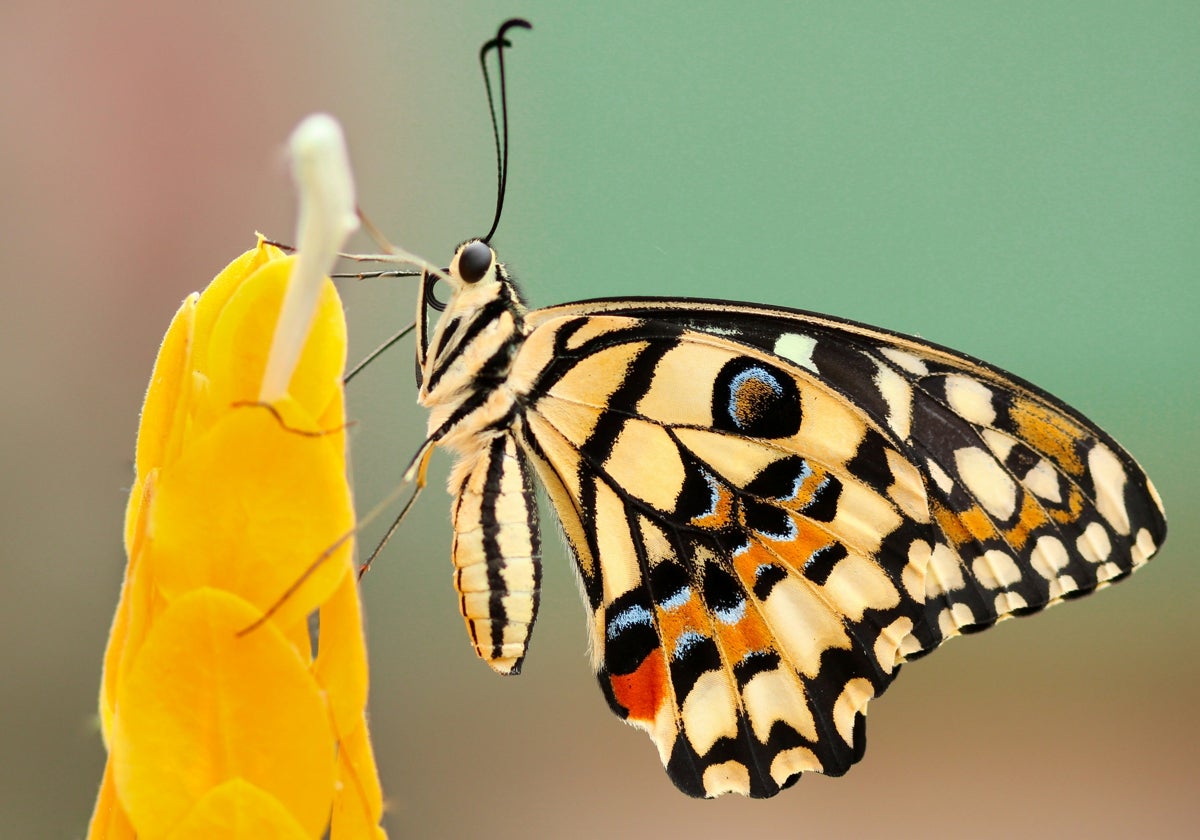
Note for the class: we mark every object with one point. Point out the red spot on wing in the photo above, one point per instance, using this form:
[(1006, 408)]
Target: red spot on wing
[(642, 692)]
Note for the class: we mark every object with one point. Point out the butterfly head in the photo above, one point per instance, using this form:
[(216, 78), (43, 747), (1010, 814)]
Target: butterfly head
[(475, 276), (474, 263), (483, 306)]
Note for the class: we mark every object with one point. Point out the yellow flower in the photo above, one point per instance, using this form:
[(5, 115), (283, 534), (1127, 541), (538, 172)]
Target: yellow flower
[(219, 723)]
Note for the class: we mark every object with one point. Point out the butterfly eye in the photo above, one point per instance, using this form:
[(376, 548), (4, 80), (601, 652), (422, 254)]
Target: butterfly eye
[(474, 261)]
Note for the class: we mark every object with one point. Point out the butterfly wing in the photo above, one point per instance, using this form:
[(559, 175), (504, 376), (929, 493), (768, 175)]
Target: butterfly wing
[(770, 510), (1033, 503)]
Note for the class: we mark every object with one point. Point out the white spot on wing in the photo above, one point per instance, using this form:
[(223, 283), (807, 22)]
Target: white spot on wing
[(797, 348), (1049, 556), (1109, 478), (1062, 586), (994, 489), (727, 777), (853, 699), (998, 442), (710, 711), (908, 487), (944, 482), (897, 393), (804, 625), (914, 572), (1143, 548), (954, 617), (790, 762), (995, 569), (1008, 602), (1094, 544), (906, 361), (1042, 481), (971, 399), (777, 695), (944, 572), (890, 644), (717, 329)]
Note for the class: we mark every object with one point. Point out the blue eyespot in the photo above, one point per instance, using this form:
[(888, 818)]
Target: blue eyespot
[(755, 399)]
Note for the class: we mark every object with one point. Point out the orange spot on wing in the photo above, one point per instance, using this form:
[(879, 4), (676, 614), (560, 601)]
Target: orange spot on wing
[(1032, 516), (1049, 433), (808, 488), (795, 552), (690, 616), (1074, 507), (722, 513), (642, 692), (746, 564), (752, 400), (749, 635), (978, 523), (972, 524)]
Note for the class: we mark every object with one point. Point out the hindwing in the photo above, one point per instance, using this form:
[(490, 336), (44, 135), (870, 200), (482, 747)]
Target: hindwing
[(771, 510)]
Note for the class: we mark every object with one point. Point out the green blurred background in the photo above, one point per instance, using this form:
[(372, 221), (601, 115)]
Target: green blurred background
[(1017, 180)]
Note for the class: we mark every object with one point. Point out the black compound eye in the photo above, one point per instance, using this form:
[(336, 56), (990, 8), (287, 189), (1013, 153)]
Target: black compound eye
[(474, 261)]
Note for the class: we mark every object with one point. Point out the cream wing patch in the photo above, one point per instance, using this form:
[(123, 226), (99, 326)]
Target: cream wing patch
[(987, 481), (797, 348)]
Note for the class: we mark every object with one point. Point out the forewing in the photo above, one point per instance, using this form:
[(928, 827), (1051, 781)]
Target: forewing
[(1033, 502)]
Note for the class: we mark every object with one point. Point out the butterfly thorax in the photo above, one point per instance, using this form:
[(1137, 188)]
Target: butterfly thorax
[(465, 372)]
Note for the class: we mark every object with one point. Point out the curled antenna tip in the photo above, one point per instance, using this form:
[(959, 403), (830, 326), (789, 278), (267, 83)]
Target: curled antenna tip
[(499, 128), (510, 23)]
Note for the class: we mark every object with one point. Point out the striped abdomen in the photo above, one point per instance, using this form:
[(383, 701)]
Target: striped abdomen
[(496, 551)]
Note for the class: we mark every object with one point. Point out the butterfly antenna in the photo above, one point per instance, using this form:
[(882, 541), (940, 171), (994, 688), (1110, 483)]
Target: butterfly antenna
[(499, 127)]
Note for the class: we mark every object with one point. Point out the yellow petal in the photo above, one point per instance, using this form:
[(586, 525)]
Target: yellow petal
[(201, 706), (238, 809), (109, 821), (134, 612), (341, 663), (165, 407), (358, 803), (216, 296), (241, 341), (248, 508)]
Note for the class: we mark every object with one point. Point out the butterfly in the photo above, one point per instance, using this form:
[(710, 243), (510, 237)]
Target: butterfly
[(769, 510)]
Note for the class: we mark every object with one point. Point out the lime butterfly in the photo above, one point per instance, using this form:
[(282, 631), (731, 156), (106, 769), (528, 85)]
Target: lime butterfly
[(770, 510)]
